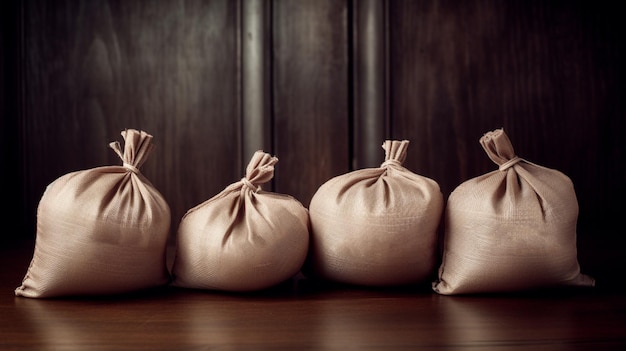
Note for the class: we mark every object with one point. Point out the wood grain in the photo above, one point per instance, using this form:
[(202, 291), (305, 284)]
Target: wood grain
[(306, 315), (310, 95), (256, 75), (97, 68), (370, 83), (11, 110), (545, 72), (336, 76)]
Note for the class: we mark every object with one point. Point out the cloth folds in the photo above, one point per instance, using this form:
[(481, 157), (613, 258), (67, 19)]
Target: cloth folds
[(512, 229), (376, 226), (101, 231), (244, 238)]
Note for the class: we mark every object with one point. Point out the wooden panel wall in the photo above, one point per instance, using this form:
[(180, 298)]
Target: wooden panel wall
[(311, 94), (320, 84), (549, 73), (13, 213), (95, 68)]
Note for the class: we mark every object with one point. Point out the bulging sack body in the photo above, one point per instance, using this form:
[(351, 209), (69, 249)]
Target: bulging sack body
[(101, 231), (244, 238), (512, 229), (376, 226)]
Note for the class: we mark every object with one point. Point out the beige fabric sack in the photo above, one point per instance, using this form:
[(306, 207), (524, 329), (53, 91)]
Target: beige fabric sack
[(101, 231), (512, 229), (244, 238), (376, 226)]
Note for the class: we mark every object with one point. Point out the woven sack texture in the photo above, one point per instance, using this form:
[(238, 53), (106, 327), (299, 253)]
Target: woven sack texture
[(244, 238), (376, 226), (101, 231), (511, 229)]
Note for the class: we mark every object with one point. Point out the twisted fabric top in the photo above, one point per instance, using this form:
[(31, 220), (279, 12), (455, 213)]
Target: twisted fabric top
[(137, 147), (499, 149), (260, 170), (395, 152)]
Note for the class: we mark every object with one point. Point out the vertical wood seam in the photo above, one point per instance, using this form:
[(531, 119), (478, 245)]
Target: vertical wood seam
[(239, 84), (387, 70), (255, 78), (371, 121)]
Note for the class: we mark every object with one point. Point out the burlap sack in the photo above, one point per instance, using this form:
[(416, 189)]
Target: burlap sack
[(244, 238), (511, 229), (101, 231), (376, 226)]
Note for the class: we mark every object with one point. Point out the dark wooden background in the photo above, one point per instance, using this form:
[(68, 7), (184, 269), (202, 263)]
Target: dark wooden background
[(319, 84)]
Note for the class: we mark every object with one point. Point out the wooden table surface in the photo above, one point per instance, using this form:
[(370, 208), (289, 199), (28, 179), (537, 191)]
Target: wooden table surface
[(304, 314)]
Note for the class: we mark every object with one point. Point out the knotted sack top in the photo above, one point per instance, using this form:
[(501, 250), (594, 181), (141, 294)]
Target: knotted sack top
[(244, 238), (376, 226), (511, 229), (102, 230)]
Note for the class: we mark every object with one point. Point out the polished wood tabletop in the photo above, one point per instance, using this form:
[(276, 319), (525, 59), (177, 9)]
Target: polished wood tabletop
[(303, 314)]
